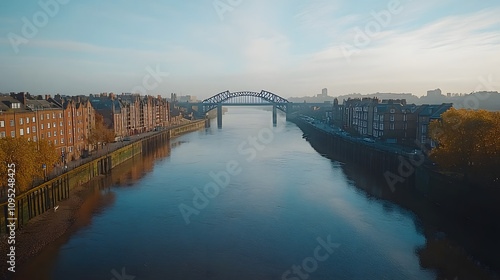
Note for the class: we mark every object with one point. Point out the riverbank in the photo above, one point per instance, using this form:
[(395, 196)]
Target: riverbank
[(41, 231), (462, 216), (50, 224)]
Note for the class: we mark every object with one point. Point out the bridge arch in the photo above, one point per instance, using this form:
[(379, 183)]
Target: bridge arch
[(257, 98)]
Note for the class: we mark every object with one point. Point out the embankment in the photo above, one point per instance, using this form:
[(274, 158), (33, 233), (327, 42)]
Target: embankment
[(467, 213), (38, 223)]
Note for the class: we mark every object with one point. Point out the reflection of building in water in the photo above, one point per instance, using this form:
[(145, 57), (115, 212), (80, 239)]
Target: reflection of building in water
[(134, 169)]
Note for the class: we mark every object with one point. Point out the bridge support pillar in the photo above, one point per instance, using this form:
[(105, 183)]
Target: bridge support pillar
[(219, 115), (275, 116)]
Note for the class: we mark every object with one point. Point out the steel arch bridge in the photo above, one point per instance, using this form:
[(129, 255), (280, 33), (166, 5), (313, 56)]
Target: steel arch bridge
[(245, 98)]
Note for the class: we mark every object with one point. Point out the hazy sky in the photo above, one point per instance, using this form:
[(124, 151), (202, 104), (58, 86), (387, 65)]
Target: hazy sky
[(289, 47)]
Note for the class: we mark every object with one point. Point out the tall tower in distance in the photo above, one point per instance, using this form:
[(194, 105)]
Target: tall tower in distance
[(324, 92)]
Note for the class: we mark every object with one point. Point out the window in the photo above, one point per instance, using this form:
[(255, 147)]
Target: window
[(69, 122), (48, 134), (33, 129), (392, 118), (41, 117), (50, 142), (62, 132), (2, 123), (21, 121), (12, 134), (60, 123), (391, 126), (381, 126), (60, 115), (43, 137), (375, 109), (54, 123), (41, 126), (393, 111), (27, 120), (2, 134), (55, 141), (48, 116), (48, 125), (69, 131), (424, 129), (382, 118), (34, 138), (70, 149), (71, 140), (53, 115), (34, 120), (62, 140), (28, 130), (78, 130), (405, 117), (21, 132), (69, 114)]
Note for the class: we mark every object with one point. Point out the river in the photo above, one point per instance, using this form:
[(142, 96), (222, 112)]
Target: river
[(248, 201)]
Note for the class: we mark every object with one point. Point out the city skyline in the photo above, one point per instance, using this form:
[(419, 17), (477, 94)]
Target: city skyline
[(286, 47)]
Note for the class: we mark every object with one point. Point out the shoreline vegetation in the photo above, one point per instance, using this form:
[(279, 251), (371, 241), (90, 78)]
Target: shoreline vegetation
[(45, 228)]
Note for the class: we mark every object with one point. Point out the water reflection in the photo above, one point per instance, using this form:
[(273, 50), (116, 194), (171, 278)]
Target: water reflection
[(457, 248), (97, 196), (264, 222)]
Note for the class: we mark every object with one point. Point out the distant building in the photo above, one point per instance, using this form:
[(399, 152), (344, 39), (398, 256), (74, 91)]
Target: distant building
[(324, 93), (187, 98), (130, 114), (337, 117), (392, 120), (434, 93), (173, 97)]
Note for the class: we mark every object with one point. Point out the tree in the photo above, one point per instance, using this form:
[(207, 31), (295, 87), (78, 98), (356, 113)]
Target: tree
[(28, 158), (468, 141), (100, 133)]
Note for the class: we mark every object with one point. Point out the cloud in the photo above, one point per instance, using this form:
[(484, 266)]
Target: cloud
[(452, 48)]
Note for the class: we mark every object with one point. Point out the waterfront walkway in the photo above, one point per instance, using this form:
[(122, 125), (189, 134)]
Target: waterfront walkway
[(377, 144), (102, 151)]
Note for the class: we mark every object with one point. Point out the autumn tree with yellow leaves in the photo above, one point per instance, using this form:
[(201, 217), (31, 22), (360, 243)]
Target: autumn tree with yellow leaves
[(468, 142), (28, 157), (100, 132)]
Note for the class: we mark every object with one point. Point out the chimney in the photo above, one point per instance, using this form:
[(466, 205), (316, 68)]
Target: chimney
[(47, 96), (21, 97)]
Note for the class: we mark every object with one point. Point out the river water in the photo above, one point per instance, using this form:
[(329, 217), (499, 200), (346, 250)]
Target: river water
[(280, 210)]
